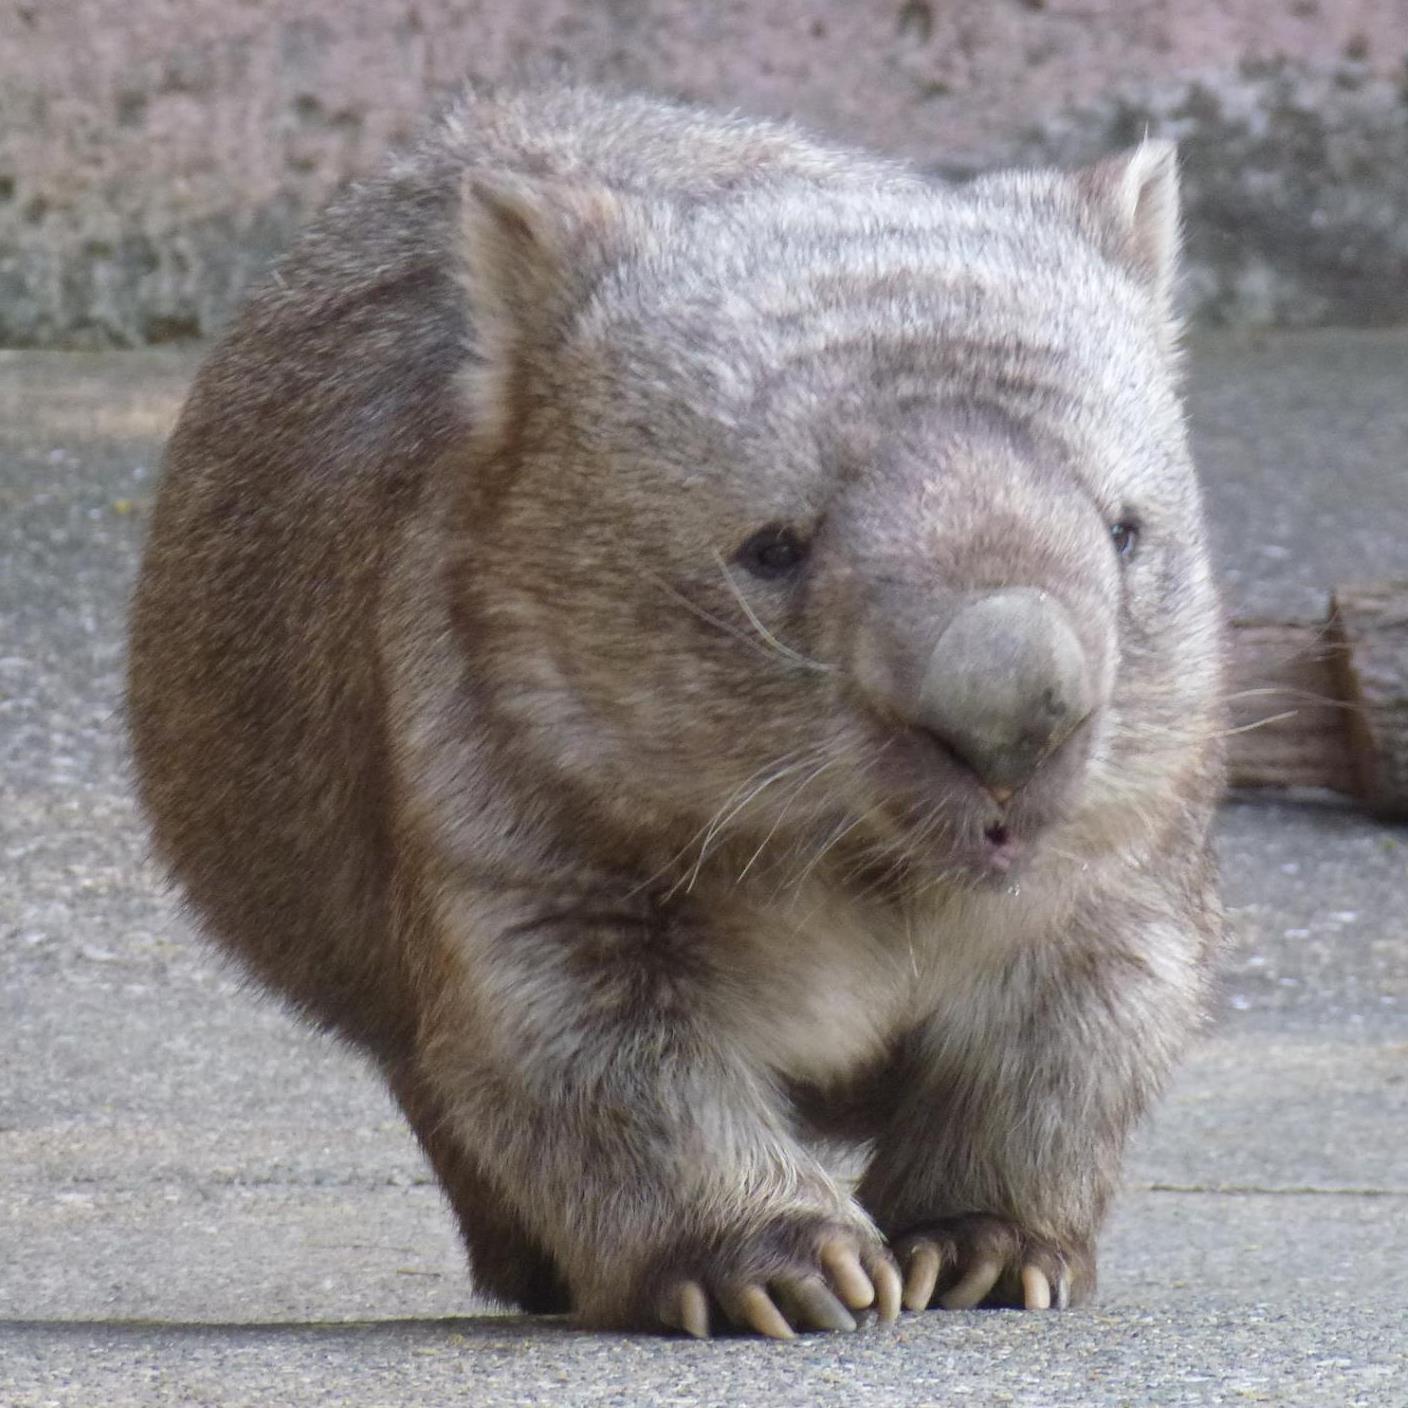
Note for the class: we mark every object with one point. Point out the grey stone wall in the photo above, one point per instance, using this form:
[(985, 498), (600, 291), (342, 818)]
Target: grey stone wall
[(156, 154)]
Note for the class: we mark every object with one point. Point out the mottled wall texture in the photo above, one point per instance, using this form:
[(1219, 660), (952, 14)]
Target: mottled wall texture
[(155, 154)]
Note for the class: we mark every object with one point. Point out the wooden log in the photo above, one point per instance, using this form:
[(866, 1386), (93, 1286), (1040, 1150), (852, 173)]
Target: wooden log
[(1325, 703), (1369, 625)]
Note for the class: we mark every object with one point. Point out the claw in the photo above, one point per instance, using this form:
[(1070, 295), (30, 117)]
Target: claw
[(684, 1306), (973, 1288), (888, 1289), (847, 1275), (1063, 1291), (694, 1310), (924, 1266), (1036, 1289), (810, 1304), (752, 1308)]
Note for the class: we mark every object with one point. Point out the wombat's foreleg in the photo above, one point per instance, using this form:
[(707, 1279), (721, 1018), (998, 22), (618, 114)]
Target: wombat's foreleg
[(585, 1063), (507, 1263), (993, 1177)]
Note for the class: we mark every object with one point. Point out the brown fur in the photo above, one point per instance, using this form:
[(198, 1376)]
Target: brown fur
[(461, 720)]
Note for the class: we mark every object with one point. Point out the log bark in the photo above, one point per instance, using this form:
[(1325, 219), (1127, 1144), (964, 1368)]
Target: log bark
[(1324, 704)]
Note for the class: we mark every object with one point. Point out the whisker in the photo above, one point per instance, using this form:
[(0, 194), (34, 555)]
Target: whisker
[(888, 848), (721, 819), (947, 878), (785, 651), (1290, 692), (727, 627), (826, 848), (782, 815), (1258, 723), (801, 755), (830, 845), (904, 851)]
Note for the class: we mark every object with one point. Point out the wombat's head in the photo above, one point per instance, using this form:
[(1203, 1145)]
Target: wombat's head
[(856, 519)]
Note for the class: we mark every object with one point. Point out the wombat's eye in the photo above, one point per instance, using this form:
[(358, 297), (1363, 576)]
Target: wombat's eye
[(773, 551), (1125, 536)]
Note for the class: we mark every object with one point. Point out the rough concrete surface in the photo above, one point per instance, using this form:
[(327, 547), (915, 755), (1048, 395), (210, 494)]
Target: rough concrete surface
[(203, 1204), (155, 155)]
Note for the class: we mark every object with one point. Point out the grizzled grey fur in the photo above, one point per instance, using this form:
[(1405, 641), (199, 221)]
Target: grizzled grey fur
[(687, 646)]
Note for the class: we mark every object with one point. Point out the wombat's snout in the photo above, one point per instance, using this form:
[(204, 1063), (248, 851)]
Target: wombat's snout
[(1005, 684)]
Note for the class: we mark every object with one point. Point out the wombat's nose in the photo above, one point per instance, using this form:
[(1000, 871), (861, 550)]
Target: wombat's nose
[(1006, 684)]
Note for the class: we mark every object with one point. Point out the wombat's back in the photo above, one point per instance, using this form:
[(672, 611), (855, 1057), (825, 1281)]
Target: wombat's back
[(253, 693), (255, 703)]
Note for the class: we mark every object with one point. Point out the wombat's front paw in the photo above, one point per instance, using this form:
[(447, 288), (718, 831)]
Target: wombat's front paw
[(962, 1262), (795, 1274)]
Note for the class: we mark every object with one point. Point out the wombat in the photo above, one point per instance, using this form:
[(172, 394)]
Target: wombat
[(693, 649)]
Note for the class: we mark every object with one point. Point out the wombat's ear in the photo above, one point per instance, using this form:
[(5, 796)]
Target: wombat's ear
[(1132, 199), (529, 249)]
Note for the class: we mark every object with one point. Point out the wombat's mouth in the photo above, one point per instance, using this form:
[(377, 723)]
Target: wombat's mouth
[(923, 855), (1002, 849), (994, 854), (950, 822)]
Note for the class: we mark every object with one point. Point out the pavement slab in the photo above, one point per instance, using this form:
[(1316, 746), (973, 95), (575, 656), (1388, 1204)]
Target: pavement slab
[(202, 1202)]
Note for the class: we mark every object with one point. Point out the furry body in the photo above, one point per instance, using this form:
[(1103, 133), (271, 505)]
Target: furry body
[(470, 715)]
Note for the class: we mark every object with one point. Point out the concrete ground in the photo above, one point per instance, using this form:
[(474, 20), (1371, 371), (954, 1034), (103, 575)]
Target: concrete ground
[(202, 1203)]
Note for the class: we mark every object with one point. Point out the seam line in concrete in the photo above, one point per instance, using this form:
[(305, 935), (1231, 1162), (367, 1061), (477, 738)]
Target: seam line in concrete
[(1254, 1190), (391, 1323)]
